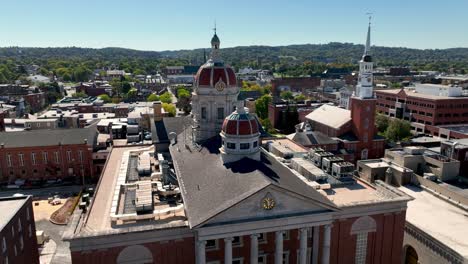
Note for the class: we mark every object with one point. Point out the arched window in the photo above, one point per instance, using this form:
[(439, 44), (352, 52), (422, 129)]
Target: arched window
[(364, 154), (135, 254), (361, 227)]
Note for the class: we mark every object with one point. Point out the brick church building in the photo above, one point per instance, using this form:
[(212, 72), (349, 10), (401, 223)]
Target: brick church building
[(348, 133)]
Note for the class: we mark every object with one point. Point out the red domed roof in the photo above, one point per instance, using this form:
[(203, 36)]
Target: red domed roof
[(240, 124), (210, 73)]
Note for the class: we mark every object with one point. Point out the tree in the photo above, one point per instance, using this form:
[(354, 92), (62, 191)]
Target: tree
[(152, 98), (183, 101), (106, 98), (166, 97), (132, 93), (381, 123), (79, 95), (286, 95), (299, 98), (182, 92), (126, 87), (266, 124), (398, 130), (261, 106), (170, 108)]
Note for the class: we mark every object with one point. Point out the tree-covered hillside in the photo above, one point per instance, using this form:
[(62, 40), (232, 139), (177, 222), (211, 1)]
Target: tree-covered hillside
[(73, 63)]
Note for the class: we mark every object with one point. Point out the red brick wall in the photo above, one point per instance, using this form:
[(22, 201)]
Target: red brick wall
[(29, 253), (36, 101), (179, 251), (41, 169), (383, 246), (295, 84)]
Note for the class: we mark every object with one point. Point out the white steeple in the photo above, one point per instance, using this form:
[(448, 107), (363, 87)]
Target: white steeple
[(364, 89)]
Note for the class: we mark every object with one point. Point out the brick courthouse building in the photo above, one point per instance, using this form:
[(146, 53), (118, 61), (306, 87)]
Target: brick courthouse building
[(232, 201)]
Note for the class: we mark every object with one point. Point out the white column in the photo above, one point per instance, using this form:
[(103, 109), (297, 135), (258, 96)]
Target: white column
[(201, 252), (315, 244), (228, 250), (303, 246), (254, 249), (326, 245), (279, 247)]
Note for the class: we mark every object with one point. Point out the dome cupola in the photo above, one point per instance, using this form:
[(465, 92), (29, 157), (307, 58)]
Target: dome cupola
[(240, 136)]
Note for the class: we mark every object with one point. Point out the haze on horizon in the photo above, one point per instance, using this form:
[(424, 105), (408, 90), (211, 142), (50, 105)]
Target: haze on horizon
[(175, 25)]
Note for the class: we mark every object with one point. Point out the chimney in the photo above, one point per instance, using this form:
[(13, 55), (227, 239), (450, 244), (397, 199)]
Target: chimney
[(157, 114), (2, 121)]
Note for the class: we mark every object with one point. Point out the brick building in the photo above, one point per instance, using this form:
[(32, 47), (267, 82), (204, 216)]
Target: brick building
[(354, 129), (427, 106), (33, 98), (304, 85), (225, 198), (38, 155), (278, 112), (18, 231)]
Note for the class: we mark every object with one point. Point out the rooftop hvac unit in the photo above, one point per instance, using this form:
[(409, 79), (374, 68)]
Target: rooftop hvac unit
[(430, 176)]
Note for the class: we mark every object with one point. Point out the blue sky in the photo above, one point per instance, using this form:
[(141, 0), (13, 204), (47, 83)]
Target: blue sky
[(174, 24)]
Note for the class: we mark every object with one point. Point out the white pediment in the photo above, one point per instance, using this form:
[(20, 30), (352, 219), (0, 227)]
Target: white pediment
[(270, 202)]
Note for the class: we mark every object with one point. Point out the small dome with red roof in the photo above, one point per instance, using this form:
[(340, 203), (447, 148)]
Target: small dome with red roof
[(240, 123), (240, 136)]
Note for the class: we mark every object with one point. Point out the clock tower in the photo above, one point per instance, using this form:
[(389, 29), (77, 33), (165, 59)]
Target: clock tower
[(363, 107), (214, 95)]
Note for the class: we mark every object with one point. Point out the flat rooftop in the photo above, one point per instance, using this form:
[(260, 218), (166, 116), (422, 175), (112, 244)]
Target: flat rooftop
[(440, 219), (99, 216), (9, 206), (287, 145), (354, 194), (463, 129)]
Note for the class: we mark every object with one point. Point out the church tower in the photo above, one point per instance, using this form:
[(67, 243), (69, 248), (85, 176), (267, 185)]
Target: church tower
[(364, 89), (363, 107), (215, 94)]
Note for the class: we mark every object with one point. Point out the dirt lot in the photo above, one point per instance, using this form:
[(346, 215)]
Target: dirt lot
[(44, 209)]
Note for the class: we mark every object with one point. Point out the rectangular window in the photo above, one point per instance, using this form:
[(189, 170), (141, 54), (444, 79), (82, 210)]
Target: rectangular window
[(203, 112), (69, 156), (244, 145), (44, 157), (237, 241), (262, 259), (286, 257), (80, 155), (220, 113), (30, 230), (231, 145), (9, 163), (21, 159), (238, 261), (211, 244), (255, 144), (262, 238), (4, 246), (56, 155), (33, 158)]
